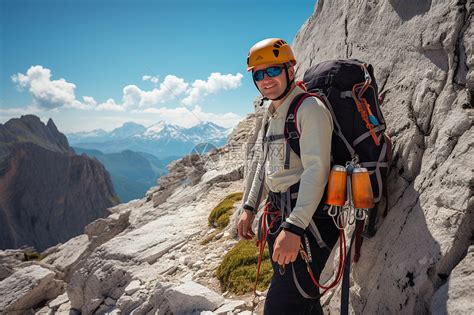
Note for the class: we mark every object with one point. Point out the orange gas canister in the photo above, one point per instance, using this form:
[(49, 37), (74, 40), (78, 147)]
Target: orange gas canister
[(362, 194), (336, 191)]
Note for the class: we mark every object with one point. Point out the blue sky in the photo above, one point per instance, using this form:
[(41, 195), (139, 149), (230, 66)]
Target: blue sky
[(95, 64)]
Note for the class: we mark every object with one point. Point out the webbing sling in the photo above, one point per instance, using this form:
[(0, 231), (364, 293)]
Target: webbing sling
[(347, 272), (345, 281)]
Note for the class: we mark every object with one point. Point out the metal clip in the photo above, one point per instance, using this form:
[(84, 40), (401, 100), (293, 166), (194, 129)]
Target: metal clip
[(333, 210), (366, 74), (360, 214), (281, 269)]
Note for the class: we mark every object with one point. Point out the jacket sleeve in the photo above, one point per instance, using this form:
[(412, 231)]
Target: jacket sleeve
[(315, 125), (251, 155), (258, 182)]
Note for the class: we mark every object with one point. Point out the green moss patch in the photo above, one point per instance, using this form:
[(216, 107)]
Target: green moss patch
[(28, 256), (238, 269), (220, 215)]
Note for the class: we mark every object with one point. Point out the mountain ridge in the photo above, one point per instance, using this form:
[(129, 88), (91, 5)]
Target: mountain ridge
[(161, 139)]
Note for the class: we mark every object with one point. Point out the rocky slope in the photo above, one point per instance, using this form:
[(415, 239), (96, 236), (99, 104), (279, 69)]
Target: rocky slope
[(148, 256), (47, 193), (422, 52)]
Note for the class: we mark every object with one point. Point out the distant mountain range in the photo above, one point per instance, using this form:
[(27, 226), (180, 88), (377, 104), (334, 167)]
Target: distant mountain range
[(161, 139), (132, 173)]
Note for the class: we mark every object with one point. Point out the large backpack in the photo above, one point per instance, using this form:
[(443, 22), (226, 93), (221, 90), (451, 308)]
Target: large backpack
[(349, 90)]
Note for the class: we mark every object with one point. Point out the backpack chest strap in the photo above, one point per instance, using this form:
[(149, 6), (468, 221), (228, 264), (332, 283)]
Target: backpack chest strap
[(272, 138)]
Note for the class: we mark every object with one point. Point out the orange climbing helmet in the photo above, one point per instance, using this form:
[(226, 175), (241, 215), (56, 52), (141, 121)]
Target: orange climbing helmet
[(270, 51)]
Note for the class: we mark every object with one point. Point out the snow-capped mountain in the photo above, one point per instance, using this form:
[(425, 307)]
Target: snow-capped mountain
[(163, 130), (209, 131), (161, 139), (128, 129)]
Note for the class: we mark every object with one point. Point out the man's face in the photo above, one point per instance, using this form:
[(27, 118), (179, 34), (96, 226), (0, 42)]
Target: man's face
[(273, 87)]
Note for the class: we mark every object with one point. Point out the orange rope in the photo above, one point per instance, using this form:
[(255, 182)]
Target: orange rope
[(363, 113)]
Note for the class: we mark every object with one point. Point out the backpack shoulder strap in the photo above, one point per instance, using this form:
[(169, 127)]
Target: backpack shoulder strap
[(292, 135)]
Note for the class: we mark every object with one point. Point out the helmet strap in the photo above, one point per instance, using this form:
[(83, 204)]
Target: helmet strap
[(288, 85)]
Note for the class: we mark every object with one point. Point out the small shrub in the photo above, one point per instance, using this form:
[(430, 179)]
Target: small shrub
[(238, 269)]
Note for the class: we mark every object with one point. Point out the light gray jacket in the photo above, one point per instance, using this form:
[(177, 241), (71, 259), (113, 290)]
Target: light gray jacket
[(315, 125)]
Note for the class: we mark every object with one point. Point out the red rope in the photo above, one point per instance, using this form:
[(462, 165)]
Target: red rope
[(304, 255), (261, 243), (342, 255)]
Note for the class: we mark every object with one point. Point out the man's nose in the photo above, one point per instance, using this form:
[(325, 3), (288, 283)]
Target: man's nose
[(266, 77)]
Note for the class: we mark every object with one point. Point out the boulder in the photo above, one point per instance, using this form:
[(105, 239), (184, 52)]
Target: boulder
[(189, 297), (28, 287)]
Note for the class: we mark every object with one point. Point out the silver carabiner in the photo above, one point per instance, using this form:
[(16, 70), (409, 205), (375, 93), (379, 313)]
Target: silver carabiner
[(333, 210), (360, 214)]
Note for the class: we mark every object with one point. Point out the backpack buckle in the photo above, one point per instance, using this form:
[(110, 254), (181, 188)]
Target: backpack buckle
[(293, 135)]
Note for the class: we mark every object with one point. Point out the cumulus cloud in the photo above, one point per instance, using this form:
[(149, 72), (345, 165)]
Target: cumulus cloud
[(110, 105), (54, 94), (214, 83), (46, 93), (169, 89), (154, 79)]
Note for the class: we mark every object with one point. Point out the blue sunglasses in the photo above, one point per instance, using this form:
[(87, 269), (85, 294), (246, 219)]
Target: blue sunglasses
[(270, 71)]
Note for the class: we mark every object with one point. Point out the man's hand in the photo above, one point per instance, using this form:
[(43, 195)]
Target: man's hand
[(286, 247), (244, 227)]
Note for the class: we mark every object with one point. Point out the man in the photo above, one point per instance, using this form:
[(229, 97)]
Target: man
[(296, 185)]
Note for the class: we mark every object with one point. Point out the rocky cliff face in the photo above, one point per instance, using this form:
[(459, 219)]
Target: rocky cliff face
[(47, 194), (422, 52)]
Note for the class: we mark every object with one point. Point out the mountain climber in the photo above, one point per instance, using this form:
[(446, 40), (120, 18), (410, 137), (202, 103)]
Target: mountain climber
[(296, 185)]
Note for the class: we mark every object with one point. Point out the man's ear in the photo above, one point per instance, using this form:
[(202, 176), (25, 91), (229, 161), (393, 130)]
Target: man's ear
[(291, 72)]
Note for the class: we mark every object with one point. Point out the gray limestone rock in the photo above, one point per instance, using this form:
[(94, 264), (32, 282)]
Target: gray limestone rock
[(422, 55), (455, 296), (28, 287), (189, 297)]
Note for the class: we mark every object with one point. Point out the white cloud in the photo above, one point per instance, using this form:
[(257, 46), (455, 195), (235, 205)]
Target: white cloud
[(154, 79), (17, 111), (46, 93), (56, 94), (214, 83), (169, 89), (53, 94), (110, 105), (89, 100)]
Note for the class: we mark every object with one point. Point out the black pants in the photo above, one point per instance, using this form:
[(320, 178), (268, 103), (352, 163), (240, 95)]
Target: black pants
[(283, 296)]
